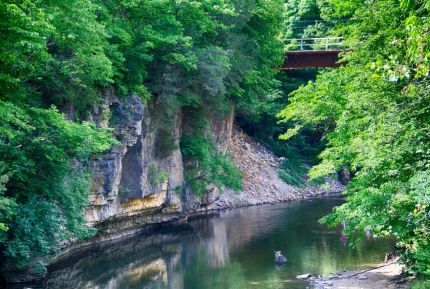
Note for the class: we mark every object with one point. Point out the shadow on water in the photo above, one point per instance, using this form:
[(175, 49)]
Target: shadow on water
[(231, 251)]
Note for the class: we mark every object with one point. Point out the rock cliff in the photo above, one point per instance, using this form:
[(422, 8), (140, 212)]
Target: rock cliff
[(140, 182)]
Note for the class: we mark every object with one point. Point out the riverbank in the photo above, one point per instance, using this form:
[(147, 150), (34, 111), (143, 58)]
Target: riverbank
[(384, 276), (230, 249)]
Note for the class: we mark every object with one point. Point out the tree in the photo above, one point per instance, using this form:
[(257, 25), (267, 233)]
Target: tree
[(44, 189), (375, 116)]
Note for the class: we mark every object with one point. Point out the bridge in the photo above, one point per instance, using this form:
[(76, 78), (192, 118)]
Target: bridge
[(312, 52)]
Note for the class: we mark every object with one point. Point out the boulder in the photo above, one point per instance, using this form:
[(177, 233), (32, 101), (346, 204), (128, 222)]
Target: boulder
[(279, 258)]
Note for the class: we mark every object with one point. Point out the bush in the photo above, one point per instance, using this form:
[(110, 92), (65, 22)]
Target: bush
[(156, 177), (43, 187), (293, 173), (204, 165), (420, 284)]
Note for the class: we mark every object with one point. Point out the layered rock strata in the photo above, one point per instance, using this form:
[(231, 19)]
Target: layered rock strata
[(140, 182)]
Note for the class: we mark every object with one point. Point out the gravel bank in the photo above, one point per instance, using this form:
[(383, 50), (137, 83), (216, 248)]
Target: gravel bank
[(384, 276)]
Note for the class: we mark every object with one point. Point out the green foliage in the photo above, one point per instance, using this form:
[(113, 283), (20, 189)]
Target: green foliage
[(42, 193), (178, 190), (420, 284), (315, 105), (311, 19), (7, 205), (52, 47), (373, 114), (293, 176), (297, 13), (156, 177), (24, 52), (67, 50), (205, 165), (78, 63), (165, 143), (300, 152)]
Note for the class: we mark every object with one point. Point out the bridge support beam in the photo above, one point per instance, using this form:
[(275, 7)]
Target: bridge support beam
[(311, 59)]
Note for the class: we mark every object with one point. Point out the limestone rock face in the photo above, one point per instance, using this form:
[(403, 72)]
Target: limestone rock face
[(134, 178), (141, 181), (222, 130)]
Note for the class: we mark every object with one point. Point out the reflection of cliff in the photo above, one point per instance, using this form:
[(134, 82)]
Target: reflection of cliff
[(140, 262), (213, 240), (146, 275), (217, 246), (156, 261), (144, 261)]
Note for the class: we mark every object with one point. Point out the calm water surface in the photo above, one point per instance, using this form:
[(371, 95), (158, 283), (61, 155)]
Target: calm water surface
[(231, 251)]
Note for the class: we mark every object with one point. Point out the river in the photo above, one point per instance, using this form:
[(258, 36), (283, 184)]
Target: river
[(231, 250)]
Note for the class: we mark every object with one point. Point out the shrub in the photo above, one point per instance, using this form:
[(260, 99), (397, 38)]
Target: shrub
[(204, 165), (43, 187)]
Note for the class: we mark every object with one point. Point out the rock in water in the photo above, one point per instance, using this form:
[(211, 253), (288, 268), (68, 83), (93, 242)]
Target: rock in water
[(279, 258), (303, 276)]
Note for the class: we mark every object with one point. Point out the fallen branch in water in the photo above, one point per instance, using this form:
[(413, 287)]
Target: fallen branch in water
[(371, 269)]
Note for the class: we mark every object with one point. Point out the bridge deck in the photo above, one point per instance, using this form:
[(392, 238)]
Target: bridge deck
[(311, 59)]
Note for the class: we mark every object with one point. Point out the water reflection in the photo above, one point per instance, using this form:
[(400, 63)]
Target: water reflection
[(231, 251)]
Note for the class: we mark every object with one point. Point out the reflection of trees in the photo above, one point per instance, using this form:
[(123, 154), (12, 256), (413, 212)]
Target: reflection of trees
[(309, 246), (248, 224), (140, 262)]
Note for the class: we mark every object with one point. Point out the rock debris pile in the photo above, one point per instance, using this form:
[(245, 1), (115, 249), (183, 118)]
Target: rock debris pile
[(261, 182)]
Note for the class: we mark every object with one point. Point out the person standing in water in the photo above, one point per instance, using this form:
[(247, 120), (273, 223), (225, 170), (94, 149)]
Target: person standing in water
[(343, 238)]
